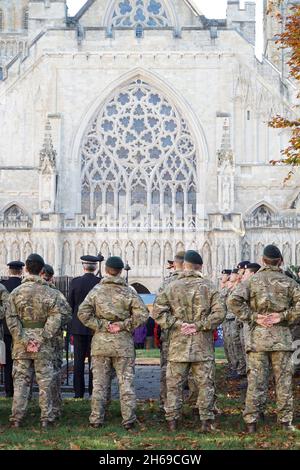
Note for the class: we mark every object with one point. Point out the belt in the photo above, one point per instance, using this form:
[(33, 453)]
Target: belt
[(33, 324)]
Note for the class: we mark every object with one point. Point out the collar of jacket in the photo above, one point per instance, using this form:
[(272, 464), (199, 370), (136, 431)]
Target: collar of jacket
[(114, 280), (190, 274), (270, 268), (34, 278)]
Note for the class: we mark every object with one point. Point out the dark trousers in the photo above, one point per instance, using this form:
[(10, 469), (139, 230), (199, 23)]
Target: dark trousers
[(82, 349), (8, 381)]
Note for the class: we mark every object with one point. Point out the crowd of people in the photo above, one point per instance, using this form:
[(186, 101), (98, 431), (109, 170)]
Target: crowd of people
[(257, 306)]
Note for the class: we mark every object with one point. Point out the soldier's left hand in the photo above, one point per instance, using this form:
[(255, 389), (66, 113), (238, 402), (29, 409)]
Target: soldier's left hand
[(114, 328)]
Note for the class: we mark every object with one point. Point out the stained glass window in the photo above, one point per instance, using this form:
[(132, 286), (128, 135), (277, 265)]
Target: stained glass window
[(138, 153)]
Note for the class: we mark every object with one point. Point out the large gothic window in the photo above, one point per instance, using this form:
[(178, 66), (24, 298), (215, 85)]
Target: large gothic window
[(138, 156), (139, 13)]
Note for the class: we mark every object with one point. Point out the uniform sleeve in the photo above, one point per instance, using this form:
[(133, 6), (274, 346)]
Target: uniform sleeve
[(54, 320), (65, 309), (71, 298), (162, 312), (86, 314), (4, 295), (13, 321), (292, 315), (139, 312), (216, 314), (238, 303)]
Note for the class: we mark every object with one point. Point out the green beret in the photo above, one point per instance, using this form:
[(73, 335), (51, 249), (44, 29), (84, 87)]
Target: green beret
[(36, 258), (272, 252), (114, 262), (193, 257)]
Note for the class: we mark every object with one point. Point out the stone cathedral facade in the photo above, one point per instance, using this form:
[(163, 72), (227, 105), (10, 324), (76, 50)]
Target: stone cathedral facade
[(139, 128)]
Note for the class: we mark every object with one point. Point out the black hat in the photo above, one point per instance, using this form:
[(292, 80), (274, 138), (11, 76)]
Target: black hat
[(272, 252), (243, 264), (193, 257), (180, 256), (88, 259), (226, 271), (36, 258), (254, 266), (114, 262), (15, 264), (235, 271), (48, 270)]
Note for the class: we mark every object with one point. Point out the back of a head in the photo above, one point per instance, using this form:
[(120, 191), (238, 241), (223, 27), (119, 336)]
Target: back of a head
[(193, 260), (114, 266), (47, 272), (34, 264), (272, 255)]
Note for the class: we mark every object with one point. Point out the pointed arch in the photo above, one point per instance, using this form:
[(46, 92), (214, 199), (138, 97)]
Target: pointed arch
[(168, 252), (142, 254), (117, 250), (3, 253), (79, 251), (66, 256), (206, 254), (130, 254), (155, 254), (196, 142), (287, 254), (27, 250), (105, 251)]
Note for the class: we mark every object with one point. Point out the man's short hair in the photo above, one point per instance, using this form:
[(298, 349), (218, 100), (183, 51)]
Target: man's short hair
[(15, 271), (112, 271), (34, 267), (90, 267)]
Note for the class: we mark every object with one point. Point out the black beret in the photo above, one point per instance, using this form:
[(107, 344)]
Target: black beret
[(88, 259), (114, 262), (226, 271), (48, 270), (272, 252), (193, 257), (243, 264), (180, 255), (170, 261), (36, 258), (235, 271), (253, 266), (16, 264)]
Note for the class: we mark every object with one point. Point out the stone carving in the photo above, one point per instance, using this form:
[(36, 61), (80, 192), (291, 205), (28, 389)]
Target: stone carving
[(226, 171), (47, 172), (132, 13)]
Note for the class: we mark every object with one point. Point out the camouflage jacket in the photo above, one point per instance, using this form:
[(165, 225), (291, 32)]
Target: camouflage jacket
[(33, 312), (3, 301), (189, 299), (65, 308), (224, 293), (269, 290), (164, 335), (112, 301)]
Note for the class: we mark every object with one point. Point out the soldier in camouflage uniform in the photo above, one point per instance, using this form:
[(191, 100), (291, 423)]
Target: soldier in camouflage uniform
[(178, 268), (270, 303), (3, 301), (191, 309), (231, 329), (47, 274), (113, 310), (33, 318), (228, 347)]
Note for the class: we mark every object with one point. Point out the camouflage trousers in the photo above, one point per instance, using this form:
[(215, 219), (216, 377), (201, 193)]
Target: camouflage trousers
[(163, 372), (295, 330), (259, 365), (204, 377), (56, 384), (23, 370), (102, 368), (234, 346)]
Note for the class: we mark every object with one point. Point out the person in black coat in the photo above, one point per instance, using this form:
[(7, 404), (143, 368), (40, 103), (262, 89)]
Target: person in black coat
[(79, 288), (15, 271)]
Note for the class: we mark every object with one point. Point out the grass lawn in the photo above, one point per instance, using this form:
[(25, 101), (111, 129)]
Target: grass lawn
[(155, 353), (74, 433)]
